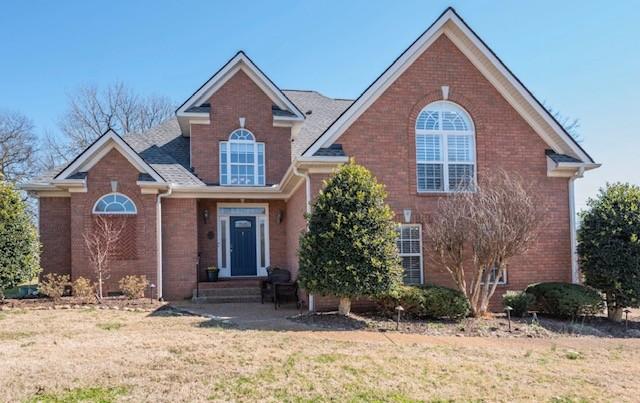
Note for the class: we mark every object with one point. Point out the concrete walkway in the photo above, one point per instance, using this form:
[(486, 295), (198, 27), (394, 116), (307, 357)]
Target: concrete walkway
[(246, 315)]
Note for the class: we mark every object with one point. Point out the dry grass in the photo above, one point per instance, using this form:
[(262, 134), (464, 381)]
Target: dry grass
[(71, 355)]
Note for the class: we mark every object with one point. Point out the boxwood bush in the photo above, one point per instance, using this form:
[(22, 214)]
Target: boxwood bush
[(565, 299), (428, 301), (519, 301)]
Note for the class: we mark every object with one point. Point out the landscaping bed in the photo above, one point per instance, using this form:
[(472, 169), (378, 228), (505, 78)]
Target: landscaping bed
[(496, 326), (116, 303)]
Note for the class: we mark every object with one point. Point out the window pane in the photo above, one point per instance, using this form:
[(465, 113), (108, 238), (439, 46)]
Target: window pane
[(410, 251), (460, 176), (263, 260), (430, 177), (223, 243), (459, 148), (411, 267), (452, 120), (428, 120), (428, 147)]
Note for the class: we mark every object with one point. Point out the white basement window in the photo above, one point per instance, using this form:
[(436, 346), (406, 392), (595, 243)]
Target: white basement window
[(409, 243), (445, 148)]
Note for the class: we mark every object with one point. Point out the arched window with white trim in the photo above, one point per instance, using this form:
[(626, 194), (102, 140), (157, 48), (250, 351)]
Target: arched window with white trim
[(242, 160), (445, 148), (114, 203)]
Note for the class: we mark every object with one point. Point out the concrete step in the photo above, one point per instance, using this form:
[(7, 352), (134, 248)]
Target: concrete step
[(231, 283), (227, 299), (229, 292)]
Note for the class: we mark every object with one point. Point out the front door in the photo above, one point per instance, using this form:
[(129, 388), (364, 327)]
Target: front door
[(243, 246)]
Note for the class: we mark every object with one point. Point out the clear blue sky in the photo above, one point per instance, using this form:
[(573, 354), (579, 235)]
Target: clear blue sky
[(583, 58)]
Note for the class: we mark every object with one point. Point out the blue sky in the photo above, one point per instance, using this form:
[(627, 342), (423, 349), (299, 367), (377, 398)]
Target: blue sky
[(583, 58)]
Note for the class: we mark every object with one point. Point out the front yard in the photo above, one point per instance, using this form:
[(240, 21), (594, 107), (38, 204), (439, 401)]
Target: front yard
[(106, 355)]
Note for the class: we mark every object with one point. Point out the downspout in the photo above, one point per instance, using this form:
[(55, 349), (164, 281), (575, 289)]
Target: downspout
[(575, 272), (159, 239), (307, 184)]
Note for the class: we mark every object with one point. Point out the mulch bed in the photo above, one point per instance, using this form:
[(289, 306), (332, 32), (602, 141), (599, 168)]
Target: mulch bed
[(496, 326), (115, 303)]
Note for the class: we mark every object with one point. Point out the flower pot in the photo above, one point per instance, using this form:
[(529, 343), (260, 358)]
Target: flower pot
[(212, 275)]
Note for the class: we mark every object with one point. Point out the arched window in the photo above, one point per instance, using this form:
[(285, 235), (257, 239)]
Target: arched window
[(445, 148), (114, 203), (242, 160)]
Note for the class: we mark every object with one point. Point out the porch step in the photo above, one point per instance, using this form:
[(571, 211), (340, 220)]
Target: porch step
[(227, 299), (232, 283), (230, 292)]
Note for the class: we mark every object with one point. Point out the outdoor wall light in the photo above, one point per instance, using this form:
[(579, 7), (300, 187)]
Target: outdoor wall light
[(205, 215), (279, 216), (407, 215)]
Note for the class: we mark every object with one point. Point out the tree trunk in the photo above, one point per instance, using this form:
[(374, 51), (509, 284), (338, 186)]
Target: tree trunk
[(345, 306), (100, 286), (614, 313)]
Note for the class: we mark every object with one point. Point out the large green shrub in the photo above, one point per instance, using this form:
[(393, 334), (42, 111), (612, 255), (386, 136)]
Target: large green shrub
[(609, 246), (519, 301), (565, 299), (19, 247), (429, 301), (350, 248)]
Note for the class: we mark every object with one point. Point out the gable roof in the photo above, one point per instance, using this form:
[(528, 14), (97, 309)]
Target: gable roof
[(100, 147), (449, 23), (194, 105)]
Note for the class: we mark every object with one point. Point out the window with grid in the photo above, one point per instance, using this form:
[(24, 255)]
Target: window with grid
[(409, 243), (242, 160), (503, 278), (445, 149)]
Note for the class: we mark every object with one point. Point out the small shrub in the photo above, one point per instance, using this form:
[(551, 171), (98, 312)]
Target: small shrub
[(565, 299), (425, 302), (133, 286), (83, 289), (519, 301), (53, 285)]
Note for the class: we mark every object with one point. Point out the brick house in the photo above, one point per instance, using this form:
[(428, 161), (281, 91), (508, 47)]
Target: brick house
[(227, 181)]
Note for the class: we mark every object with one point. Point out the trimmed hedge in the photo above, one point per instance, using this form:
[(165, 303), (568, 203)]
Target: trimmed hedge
[(429, 301), (520, 301), (566, 299)]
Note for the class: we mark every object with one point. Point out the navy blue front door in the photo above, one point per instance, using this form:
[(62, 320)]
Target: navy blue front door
[(243, 246)]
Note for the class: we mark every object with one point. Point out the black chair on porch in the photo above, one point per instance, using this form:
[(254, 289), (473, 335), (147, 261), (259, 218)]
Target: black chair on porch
[(278, 286)]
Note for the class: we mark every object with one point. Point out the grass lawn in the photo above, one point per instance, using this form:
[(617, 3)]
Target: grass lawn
[(104, 356)]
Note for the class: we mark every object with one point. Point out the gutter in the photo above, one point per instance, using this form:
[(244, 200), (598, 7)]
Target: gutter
[(159, 239), (307, 184), (575, 270)]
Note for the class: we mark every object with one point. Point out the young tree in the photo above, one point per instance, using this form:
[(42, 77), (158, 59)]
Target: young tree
[(490, 225), (609, 246), (101, 242), (350, 248), (19, 246)]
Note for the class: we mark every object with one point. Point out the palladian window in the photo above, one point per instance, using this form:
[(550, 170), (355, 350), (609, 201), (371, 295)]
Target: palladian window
[(445, 148), (114, 203), (242, 160)]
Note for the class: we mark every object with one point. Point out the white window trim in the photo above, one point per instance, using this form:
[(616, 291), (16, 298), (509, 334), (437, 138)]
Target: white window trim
[(255, 160), (504, 277), (400, 225), (95, 205), (226, 271), (443, 136)]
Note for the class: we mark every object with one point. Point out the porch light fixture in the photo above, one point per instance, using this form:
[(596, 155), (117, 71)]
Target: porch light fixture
[(279, 216), (407, 215), (205, 215)]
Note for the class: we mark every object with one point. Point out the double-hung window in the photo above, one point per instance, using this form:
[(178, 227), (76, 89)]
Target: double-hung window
[(242, 160), (409, 243), (445, 149)]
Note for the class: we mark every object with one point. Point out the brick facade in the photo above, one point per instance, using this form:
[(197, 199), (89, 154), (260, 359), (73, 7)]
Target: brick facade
[(55, 234), (240, 97), (142, 258), (179, 247)]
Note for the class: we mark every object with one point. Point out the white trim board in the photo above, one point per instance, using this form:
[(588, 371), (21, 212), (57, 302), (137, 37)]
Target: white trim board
[(451, 25)]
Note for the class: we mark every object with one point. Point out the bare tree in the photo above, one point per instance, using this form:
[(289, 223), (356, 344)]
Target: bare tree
[(92, 111), (570, 125), (18, 147), (101, 242), (481, 231)]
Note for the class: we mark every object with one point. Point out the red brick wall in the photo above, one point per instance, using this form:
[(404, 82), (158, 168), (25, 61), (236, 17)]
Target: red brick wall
[(55, 234), (504, 140), (240, 97), (296, 224), (208, 248), (179, 247), (142, 259)]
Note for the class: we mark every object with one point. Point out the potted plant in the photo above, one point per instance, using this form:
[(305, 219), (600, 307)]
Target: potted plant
[(212, 273)]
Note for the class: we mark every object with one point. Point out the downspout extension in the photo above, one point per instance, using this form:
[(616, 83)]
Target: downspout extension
[(159, 239), (575, 270), (307, 184)]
